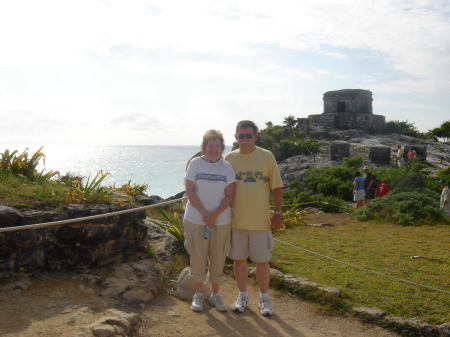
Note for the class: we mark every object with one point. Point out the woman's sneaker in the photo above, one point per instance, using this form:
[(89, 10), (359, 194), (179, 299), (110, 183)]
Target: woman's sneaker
[(241, 303), (216, 301), (197, 302), (264, 304)]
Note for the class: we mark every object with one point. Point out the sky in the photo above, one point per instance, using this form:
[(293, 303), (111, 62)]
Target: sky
[(162, 72)]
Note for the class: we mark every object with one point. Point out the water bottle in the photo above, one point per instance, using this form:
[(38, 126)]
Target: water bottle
[(207, 232)]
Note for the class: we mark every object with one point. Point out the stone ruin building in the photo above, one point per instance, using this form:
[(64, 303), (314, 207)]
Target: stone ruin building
[(345, 109)]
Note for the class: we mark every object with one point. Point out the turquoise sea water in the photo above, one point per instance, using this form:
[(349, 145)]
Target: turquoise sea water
[(161, 167)]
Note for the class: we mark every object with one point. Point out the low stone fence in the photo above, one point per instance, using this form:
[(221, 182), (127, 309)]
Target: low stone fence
[(92, 243)]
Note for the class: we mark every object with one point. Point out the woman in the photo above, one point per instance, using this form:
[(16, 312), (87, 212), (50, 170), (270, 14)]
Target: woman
[(209, 182), (358, 189), (412, 153)]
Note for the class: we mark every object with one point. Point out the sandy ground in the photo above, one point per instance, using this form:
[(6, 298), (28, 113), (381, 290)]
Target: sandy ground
[(59, 304), (59, 307)]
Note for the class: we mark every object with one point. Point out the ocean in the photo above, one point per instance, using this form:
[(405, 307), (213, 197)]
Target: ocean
[(161, 167)]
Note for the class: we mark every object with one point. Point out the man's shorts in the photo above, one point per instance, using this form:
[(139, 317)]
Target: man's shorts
[(257, 245), (367, 194), (359, 195)]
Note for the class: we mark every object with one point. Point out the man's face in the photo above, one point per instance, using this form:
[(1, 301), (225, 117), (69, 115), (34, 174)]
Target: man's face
[(366, 170), (242, 137), (443, 184)]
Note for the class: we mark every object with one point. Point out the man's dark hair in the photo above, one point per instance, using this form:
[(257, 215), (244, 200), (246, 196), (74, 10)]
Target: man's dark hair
[(247, 124)]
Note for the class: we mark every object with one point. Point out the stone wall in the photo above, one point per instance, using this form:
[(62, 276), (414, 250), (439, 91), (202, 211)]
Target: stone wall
[(380, 155), (91, 243), (346, 121), (420, 150), (347, 101)]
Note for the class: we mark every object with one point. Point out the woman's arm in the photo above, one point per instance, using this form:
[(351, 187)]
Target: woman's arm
[(193, 198), (229, 194)]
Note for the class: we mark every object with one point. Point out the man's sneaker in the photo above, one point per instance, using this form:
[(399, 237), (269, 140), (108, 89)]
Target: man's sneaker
[(216, 301), (264, 304), (197, 302), (241, 303)]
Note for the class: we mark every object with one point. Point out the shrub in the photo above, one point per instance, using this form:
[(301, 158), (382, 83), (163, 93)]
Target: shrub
[(405, 208)]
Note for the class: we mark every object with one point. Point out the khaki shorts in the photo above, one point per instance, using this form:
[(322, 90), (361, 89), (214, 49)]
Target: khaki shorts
[(257, 245), (359, 195)]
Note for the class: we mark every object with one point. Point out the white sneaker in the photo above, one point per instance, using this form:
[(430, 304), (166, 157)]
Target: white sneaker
[(241, 303), (216, 301), (197, 302), (264, 304)]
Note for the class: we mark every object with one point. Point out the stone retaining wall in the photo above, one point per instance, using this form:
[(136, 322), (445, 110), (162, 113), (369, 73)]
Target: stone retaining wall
[(91, 243)]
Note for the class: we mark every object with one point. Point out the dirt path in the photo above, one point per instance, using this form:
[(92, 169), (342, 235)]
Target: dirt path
[(60, 307)]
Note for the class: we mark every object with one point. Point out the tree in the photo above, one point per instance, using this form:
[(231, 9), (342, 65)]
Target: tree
[(290, 121)]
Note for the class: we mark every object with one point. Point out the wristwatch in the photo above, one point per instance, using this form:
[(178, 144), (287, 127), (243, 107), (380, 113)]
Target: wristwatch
[(278, 212)]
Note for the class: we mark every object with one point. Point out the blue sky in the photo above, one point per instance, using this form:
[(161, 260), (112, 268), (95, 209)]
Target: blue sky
[(163, 72)]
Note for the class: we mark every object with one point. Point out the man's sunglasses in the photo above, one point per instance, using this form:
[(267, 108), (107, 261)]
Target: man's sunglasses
[(246, 135)]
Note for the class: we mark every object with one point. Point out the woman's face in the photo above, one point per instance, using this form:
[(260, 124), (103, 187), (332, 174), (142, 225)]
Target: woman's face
[(213, 150)]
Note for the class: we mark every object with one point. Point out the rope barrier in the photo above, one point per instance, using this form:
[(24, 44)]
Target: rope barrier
[(365, 269), (92, 217)]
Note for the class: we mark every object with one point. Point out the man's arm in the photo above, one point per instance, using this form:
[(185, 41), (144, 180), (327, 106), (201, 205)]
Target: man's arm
[(278, 201)]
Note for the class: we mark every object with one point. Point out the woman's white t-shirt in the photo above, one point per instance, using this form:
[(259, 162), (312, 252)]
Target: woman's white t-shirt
[(210, 180)]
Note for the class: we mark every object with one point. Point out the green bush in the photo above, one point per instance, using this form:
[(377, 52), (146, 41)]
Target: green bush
[(404, 208)]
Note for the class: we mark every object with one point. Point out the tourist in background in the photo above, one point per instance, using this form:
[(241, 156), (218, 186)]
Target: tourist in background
[(411, 153), (400, 158), (368, 182), (445, 196), (358, 189), (210, 182), (257, 176), (382, 189)]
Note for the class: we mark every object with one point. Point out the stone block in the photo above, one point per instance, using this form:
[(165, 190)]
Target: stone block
[(339, 150), (9, 217), (380, 154)]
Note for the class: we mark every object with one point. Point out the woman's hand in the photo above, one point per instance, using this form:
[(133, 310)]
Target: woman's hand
[(210, 219)]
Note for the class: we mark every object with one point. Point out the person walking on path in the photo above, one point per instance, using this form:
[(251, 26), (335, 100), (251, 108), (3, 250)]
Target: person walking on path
[(210, 183), (257, 175), (358, 189), (368, 182), (445, 196), (382, 189)]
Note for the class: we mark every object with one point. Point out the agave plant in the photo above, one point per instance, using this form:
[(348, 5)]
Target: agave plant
[(174, 226), (92, 192), (24, 165), (131, 189)]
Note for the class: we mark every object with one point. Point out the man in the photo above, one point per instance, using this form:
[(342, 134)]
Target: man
[(257, 175), (368, 181), (400, 158), (445, 196)]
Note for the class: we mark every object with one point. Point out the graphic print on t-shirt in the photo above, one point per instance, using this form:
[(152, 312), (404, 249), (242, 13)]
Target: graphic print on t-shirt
[(252, 176), (210, 177)]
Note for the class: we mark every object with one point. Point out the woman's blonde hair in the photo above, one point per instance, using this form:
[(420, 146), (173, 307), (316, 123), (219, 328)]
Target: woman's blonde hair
[(212, 134)]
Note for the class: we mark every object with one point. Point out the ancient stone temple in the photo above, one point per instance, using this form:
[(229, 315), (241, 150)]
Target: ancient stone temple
[(345, 109)]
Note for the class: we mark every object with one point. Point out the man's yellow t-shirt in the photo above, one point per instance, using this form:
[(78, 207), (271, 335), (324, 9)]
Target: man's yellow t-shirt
[(256, 175)]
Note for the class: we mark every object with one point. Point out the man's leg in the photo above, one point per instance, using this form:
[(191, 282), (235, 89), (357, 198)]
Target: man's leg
[(241, 274), (263, 276)]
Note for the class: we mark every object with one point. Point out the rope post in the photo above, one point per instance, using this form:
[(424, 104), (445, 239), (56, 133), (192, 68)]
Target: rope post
[(319, 202)]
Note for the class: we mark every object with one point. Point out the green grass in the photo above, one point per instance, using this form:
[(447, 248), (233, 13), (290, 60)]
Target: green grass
[(383, 248), (15, 190)]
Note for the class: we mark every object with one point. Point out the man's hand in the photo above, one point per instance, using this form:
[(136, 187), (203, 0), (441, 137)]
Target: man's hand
[(276, 222)]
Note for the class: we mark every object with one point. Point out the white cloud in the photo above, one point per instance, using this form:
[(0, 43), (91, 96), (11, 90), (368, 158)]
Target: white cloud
[(160, 64)]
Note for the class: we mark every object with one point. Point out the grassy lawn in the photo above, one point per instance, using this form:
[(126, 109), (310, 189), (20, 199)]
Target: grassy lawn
[(383, 248)]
